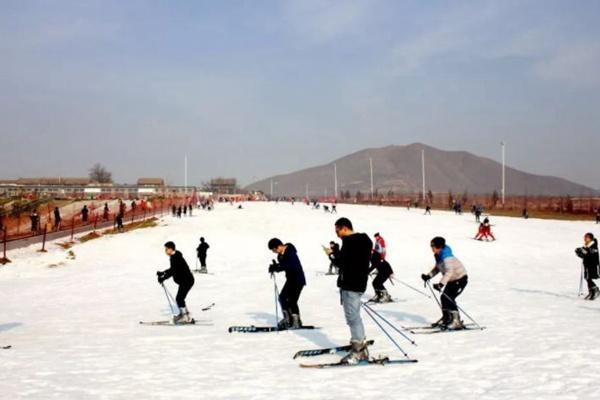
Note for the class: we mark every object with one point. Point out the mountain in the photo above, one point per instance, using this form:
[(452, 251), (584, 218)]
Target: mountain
[(398, 168)]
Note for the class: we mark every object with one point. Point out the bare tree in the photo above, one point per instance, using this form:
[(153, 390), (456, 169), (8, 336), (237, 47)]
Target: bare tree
[(99, 173)]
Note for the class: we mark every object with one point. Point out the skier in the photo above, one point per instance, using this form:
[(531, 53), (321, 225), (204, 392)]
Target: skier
[(119, 222), (288, 261), (488, 228), (35, 220), (525, 213), (478, 212), (384, 272), (379, 251), (352, 281), (201, 252), (180, 271), (57, 219), (174, 210), (179, 212), (105, 213), (334, 209), (453, 282), (428, 210), (598, 216), (84, 213), (589, 253), (333, 252)]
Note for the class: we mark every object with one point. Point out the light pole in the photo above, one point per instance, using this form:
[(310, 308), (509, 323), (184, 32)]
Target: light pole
[(335, 180), (371, 169), (423, 169), (503, 171), (185, 180)]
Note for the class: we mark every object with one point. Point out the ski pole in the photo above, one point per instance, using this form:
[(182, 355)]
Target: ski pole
[(389, 323), (170, 295), (386, 333), (463, 311), (580, 282), (276, 299), (168, 298), (410, 287), (434, 296)]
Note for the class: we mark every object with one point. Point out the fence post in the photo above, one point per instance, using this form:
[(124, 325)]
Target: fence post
[(43, 250), (4, 259), (72, 228)]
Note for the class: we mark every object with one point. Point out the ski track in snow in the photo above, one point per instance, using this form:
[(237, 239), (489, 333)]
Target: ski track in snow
[(75, 335)]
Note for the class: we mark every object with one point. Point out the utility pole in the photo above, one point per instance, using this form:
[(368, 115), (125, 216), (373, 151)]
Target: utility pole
[(503, 170), (371, 169), (335, 179), (185, 175), (423, 168)]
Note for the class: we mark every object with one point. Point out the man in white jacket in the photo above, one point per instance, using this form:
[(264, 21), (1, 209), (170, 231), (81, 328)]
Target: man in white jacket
[(454, 280)]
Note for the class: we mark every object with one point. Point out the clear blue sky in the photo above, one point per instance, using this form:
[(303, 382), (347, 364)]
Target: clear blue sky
[(255, 88)]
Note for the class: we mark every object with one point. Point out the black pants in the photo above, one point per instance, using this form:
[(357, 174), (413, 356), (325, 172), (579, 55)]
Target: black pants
[(379, 281), (202, 258), (182, 292), (590, 283), (288, 298), (451, 292)]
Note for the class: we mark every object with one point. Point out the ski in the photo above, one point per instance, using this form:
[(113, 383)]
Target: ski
[(255, 329), (171, 323), (330, 350), (6, 347), (376, 361), (429, 327), (438, 330), (208, 307), (199, 271)]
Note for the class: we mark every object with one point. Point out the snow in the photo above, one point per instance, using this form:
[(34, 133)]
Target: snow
[(75, 333)]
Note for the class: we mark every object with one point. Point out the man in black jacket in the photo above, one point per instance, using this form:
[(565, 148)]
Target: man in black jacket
[(180, 271), (201, 251), (288, 261), (354, 261), (591, 259)]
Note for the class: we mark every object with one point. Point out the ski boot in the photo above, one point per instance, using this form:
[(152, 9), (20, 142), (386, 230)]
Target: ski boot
[(203, 270), (594, 293), (455, 323), (358, 353), (443, 321), (376, 298), (384, 297), (296, 321), (285, 321), (183, 317)]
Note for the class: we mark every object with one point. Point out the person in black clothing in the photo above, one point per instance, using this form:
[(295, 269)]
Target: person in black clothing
[(201, 252), (119, 221), (428, 210), (105, 212), (57, 219), (598, 216), (180, 271), (35, 220), (589, 254), (174, 210), (384, 271), (288, 261), (84, 214), (355, 256), (179, 212), (333, 252)]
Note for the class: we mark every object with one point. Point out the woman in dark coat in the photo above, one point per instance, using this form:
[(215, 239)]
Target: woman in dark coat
[(591, 268)]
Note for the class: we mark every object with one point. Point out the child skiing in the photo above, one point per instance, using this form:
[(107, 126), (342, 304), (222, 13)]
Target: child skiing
[(201, 252), (453, 282), (384, 272), (485, 230), (180, 271), (288, 261), (380, 249), (589, 254), (333, 252)]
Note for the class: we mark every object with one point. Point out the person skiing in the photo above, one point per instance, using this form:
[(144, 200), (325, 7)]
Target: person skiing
[(355, 255), (384, 272), (180, 271), (333, 253), (35, 221), (174, 210), (428, 210), (201, 252), (597, 216), (478, 212), (119, 222), (589, 253), (84, 213), (105, 212), (380, 249), (288, 261), (453, 282)]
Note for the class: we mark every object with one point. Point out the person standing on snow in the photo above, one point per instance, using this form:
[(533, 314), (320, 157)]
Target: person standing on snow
[(453, 282), (589, 254), (384, 272), (180, 271), (288, 261), (355, 256), (201, 252), (380, 248)]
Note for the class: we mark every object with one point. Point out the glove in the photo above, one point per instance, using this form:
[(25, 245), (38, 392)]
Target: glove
[(160, 273), (273, 267), (581, 252), (425, 277), (438, 286), (161, 279)]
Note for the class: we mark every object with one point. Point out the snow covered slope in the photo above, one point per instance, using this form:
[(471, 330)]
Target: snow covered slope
[(75, 333)]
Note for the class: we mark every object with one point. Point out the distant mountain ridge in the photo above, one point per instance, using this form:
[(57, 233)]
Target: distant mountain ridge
[(398, 168)]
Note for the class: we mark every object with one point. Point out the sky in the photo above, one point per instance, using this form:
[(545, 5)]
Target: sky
[(251, 89)]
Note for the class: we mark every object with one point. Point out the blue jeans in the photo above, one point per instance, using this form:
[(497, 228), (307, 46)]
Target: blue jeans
[(352, 303)]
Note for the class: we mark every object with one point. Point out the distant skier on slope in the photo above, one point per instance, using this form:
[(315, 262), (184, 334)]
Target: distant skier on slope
[(201, 253), (589, 253), (352, 281), (288, 261), (453, 282), (180, 271)]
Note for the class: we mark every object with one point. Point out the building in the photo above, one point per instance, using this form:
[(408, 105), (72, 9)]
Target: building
[(223, 186)]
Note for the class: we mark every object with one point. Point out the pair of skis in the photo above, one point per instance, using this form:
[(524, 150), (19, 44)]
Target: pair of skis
[(428, 329), (170, 322), (340, 349), (258, 329)]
